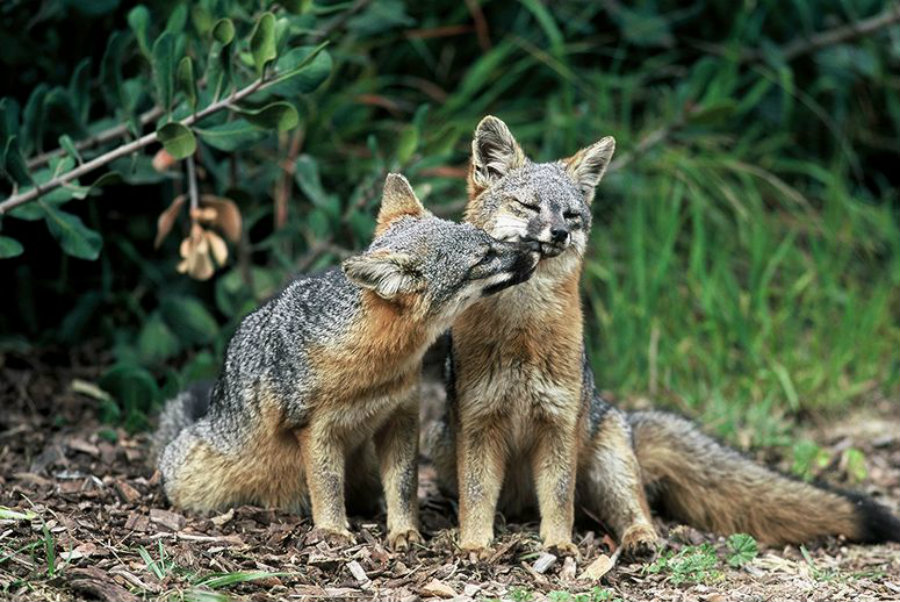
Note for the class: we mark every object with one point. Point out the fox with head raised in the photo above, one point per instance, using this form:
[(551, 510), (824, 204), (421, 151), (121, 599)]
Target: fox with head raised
[(324, 377), (525, 428)]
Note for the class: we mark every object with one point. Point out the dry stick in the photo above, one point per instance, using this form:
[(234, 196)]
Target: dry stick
[(841, 34), (816, 41), (122, 151), (98, 139)]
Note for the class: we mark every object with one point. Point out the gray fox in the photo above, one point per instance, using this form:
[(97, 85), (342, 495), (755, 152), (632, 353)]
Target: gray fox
[(525, 426), (324, 377)]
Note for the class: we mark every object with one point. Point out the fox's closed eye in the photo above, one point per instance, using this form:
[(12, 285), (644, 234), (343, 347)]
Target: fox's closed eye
[(530, 206), (571, 215)]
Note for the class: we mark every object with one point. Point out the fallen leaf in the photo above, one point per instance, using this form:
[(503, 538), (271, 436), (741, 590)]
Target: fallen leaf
[(595, 570), (437, 588)]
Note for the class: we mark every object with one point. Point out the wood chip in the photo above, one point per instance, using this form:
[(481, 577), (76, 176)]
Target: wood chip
[(544, 562), (166, 519), (357, 571), (80, 445), (567, 572), (223, 518), (601, 566), (126, 492), (439, 589)]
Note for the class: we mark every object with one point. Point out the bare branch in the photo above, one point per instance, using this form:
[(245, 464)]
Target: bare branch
[(98, 139), (122, 151)]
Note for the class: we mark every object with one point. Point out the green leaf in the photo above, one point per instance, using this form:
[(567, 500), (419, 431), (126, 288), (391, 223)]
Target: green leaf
[(9, 120), (306, 174), (80, 89), (13, 162), (111, 69), (231, 136), (279, 116), (186, 81), (855, 461), (188, 318), (133, 387), (234, 297), (73, 236), (32, 130), (218, 65), (177, 19), (223, 31), (202, 18), (177, 139), (61, 112), (262, 42), (9, 247), (408, 143), (139, 21), (299, 71), (156, 342), (743, 549), (65, 141), (163, 69), (713, 112)]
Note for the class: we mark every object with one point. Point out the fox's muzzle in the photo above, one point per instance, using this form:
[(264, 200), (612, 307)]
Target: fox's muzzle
[(523, 260)]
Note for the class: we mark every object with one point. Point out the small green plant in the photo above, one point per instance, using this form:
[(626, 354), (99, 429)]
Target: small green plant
[(809, 458), (162, 566), (694, 564), (520, 594), (742, 549), (596, 594), (49, 551), (819, 574)]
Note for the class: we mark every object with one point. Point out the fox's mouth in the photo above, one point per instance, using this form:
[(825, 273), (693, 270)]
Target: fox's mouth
[(549, 249), (522, 270)]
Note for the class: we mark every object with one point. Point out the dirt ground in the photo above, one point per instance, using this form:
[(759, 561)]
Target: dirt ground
[(83, 517)]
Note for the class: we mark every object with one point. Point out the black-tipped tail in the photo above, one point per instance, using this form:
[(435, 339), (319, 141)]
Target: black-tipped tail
[(876, 524)]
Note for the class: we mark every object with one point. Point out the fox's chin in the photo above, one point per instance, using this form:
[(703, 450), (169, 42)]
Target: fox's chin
[(549, 250)]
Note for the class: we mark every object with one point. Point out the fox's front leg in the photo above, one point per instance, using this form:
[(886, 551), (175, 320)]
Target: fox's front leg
[(555, 464), (481, 461), (397, 446), (323, 459)]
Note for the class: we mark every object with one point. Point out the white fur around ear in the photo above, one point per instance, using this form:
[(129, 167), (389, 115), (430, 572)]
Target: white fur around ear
[(495, 153), (387, 274), (398, 199), (588, 165)]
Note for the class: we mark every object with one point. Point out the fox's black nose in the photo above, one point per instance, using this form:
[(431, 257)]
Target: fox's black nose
[(559, 235)]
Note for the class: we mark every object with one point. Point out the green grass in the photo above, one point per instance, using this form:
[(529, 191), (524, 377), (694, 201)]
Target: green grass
[(723, 297)]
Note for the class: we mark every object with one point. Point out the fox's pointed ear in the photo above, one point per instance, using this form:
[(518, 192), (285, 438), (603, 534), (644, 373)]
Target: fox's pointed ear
[(398, 200), (588, 165), (387, 274), (494, 154)]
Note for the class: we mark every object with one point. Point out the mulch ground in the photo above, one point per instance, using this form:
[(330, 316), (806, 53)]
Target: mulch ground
[(84, 517)]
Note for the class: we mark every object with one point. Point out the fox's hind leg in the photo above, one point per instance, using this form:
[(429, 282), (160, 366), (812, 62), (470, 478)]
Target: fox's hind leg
[(203, 472), (609, 485)]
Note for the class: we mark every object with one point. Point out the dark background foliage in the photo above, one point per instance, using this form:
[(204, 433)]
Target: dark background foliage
[(745, 257)]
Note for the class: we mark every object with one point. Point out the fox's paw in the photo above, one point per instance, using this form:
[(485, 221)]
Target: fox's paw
[(337, 536), (477, 549), (639, 542), (402, 540), (562, 548)]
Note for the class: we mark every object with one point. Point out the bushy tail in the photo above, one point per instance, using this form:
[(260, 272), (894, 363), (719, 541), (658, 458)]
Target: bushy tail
[(696, 480), (181, 411)]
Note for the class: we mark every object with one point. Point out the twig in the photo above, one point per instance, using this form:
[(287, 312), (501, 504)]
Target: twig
[(193, 195), (122, 151), (842, 34), (98, 139), (339, 21), (815, 42)]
